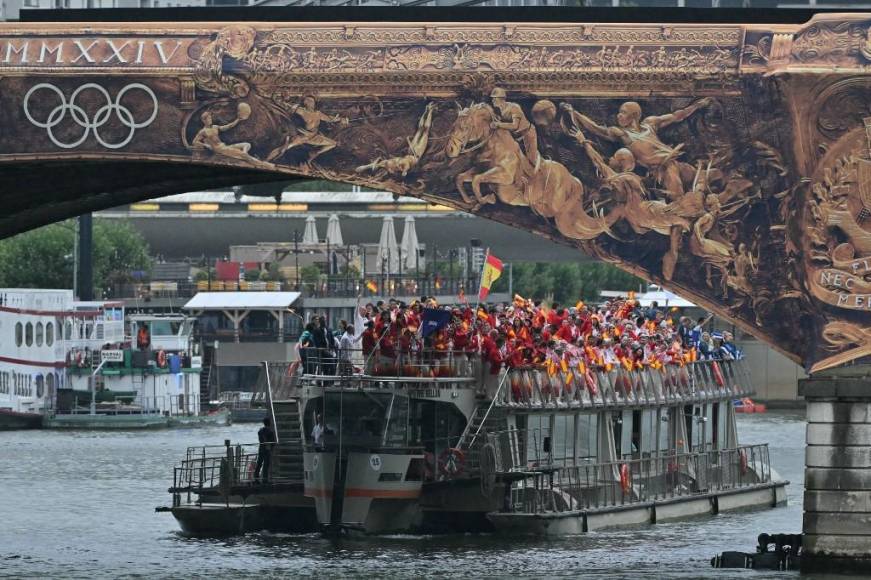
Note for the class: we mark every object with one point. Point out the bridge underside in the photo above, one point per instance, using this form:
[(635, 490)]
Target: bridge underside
[(40, 193), (728, 162)]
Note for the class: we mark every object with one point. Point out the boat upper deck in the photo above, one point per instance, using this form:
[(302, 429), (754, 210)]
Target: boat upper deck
[(534, 388)]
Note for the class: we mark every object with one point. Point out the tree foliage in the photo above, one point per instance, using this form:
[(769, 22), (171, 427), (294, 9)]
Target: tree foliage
[(566, 282), (43, 258)]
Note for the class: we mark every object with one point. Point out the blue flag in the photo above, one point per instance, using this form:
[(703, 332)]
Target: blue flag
[(434, 319)]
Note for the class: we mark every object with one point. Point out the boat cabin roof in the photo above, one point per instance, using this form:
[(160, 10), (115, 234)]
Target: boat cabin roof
[(241, 301)]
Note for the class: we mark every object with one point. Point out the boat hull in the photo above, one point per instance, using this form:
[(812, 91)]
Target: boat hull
[(761, 496), (134, 421), (13, 420), (284, 512), (376, 497)]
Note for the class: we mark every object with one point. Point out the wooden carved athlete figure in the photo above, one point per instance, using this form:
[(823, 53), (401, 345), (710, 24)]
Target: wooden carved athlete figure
[(209, 138), (640, 136), (416, 148), (641, 215), (310, 133)]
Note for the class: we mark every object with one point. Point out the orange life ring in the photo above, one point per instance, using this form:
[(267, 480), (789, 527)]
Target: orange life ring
[(625, 482), (742, 456), (451, 461), (718, 375), (161, 359)]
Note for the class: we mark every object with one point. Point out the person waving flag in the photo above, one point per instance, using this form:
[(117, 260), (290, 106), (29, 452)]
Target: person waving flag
[(492, 271)]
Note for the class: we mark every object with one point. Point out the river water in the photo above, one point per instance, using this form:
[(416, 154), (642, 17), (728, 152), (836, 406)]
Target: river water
[(81, 505)]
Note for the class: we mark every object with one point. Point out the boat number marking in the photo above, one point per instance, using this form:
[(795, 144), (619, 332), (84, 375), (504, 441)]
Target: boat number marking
[(375, 462)]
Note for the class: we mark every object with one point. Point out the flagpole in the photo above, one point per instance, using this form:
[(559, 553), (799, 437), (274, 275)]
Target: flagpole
[(481, 281)]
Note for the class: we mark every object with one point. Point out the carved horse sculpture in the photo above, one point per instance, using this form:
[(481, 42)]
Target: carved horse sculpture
[(551, 191)]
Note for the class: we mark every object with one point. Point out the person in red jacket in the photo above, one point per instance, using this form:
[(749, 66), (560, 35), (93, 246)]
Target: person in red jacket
[(565, 332), (556, 315), (493, 359), (369, 345)]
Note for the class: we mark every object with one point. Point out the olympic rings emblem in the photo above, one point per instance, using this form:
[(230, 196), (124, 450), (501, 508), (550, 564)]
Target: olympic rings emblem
[(83, 119)]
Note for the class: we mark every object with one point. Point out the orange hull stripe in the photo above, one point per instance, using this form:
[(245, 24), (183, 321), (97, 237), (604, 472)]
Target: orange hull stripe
[(362, 492)]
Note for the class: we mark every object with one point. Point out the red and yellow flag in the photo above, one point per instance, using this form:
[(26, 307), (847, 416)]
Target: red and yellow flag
[(372, 286), (491, 273)]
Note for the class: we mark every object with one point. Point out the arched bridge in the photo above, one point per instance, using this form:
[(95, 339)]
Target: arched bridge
[(728, 162)]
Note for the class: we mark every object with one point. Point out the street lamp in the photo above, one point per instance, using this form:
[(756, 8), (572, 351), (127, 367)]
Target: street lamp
[(296, 255)]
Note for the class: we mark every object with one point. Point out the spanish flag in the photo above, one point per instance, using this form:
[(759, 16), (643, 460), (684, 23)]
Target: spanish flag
[(491, 273), (372, 286)]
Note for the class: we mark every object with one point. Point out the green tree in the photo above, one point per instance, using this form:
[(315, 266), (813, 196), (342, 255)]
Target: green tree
[(43, 258), (566, 282), (119, 250), (310, 274)]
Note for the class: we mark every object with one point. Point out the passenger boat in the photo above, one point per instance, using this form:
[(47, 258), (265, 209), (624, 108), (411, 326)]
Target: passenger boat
[(433, 445), (31, 353), (136, 372), (73, 364)]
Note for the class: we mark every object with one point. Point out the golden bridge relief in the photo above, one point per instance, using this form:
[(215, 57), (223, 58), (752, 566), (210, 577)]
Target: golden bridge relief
[(729, 163)]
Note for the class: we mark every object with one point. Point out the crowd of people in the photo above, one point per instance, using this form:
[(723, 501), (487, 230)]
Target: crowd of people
[(394, 337)]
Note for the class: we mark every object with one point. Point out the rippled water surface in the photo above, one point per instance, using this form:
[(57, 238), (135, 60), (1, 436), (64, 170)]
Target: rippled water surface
[(81, 504)]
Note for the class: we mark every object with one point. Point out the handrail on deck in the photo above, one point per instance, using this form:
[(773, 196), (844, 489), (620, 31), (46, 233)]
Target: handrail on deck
[(596, 485), (421, 364), (533, 387)]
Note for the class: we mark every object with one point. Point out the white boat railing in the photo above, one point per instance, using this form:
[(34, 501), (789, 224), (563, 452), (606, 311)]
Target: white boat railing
[(691, 382), (618, 483)]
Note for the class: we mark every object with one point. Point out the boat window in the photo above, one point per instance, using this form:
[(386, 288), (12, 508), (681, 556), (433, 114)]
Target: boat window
[(360, 417), (690, 423), (716, 424), (165, 327), (435, 425), (587, 436), (626, 444), (40, 386), (636, 433), (538, 427), (397, 422), (39, 333), (28, 334), (19, 333), (561, 437), (49, 333), (663, 422), (648, 432), (706, 425)]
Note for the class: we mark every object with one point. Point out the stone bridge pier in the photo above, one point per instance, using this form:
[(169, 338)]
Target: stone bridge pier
[(837, 497)]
